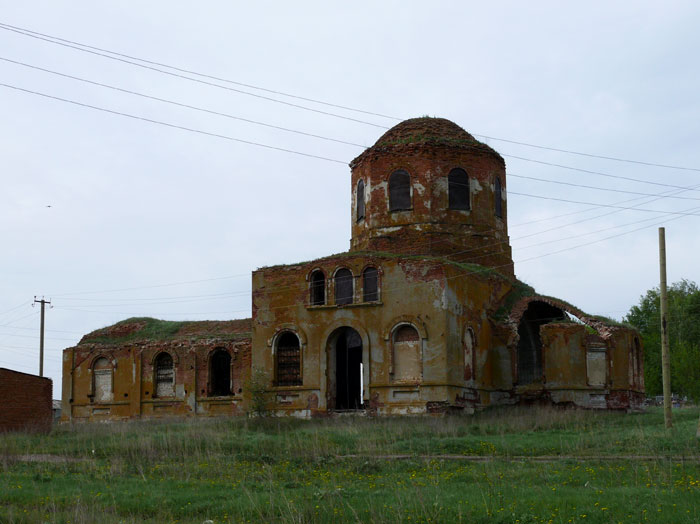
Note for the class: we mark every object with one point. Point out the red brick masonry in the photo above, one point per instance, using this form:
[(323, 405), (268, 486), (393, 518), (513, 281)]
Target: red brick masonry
[(25, 402)]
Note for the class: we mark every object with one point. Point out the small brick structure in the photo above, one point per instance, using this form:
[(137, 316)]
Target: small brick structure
[(26, 402)]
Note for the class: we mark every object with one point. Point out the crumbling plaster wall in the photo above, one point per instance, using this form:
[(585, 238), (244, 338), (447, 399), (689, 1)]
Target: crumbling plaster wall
[(411, 291), (133, 379), (476, 235), (566, 365)]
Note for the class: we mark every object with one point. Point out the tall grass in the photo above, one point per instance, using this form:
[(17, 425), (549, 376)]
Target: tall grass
[(340, 470)]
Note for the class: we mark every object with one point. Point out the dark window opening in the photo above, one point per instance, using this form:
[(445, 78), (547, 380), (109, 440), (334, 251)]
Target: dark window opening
[(498, 198), (343, 287), (165, 376), (530, 342), (220, 373), (348, 370), (370, 285), (458, 189), (360, 200), (318, 288), (288, 360), (399, 190)]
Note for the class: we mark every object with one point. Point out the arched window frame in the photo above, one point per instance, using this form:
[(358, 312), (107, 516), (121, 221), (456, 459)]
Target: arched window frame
[(210, 376), (314, 287), (498, 197), (392, 337), (458, 190), (276, 357), (351, 280), (173, 361), (377, 294), (93, 385), (360, 201), (400, 201)]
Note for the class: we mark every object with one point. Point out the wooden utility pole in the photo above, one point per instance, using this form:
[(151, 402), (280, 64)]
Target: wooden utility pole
[(41, 334), (665, 356)]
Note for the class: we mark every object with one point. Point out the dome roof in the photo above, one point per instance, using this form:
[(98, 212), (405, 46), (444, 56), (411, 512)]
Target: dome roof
[(425, 132)]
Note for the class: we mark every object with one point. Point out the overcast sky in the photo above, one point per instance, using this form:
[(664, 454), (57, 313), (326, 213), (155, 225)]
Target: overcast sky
[(149, 220)]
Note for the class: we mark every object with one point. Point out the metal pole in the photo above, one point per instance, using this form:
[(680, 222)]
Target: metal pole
[(665, 356)]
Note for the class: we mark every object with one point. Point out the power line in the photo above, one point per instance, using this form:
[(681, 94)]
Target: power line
[(485, 268), (203, 75), (618, 209), (180, 104), (592, 172), (171, 284), (267, 146), (99, 51), (227, 115), (204, 82), (590, 155), (605, 205), (509, 175), (174, 126)]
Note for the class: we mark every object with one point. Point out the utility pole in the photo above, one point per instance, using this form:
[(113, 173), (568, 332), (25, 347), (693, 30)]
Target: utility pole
[(665, 356), (41, 334)]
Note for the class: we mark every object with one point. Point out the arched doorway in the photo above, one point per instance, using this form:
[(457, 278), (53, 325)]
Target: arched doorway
[(345, 369), (529, 350)]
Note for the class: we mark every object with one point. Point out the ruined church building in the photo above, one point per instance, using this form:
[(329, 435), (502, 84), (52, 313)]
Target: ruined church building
[(423, 314)]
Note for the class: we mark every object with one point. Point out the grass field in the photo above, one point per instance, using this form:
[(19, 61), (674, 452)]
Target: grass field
[(511, 465)]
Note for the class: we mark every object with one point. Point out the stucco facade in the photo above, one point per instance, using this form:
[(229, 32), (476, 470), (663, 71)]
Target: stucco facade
[(422, 315)]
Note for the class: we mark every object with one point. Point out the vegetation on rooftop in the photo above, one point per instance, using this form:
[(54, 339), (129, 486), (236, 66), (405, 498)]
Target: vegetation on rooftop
[(149, 329)]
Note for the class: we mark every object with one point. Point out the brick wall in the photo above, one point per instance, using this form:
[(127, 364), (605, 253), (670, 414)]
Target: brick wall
[(25, 402)]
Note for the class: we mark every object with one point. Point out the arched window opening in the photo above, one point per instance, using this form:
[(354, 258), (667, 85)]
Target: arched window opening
[(220, 373), (498, 198), (407, 361), (288, 365), (370, 285), (458, 189), (343, 287), (318, 288), (102, 375), (529, 351), (360, 200), (469, 343), (399, 191), (165, 376)]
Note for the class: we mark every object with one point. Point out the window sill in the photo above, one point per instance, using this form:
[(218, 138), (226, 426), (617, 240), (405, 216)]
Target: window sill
[(293, 388), (354, 304), (221, 399)]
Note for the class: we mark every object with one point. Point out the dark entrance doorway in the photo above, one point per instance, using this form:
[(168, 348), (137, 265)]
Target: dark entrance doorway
[(530, 343), (220, 373), (347, 350)]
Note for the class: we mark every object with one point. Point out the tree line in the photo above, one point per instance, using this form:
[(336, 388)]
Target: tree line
[(684, 338)]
